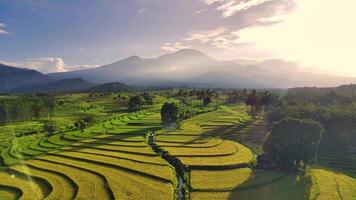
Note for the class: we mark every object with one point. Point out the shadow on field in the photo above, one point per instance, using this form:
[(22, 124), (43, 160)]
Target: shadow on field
[(232, 132), (266, 185), (110, 137)]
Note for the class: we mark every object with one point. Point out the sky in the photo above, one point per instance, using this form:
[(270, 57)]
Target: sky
[(62, 35)]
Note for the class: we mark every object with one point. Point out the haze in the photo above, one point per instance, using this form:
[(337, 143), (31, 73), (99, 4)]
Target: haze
[(56, 36)]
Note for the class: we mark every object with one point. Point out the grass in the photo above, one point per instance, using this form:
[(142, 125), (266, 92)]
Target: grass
[(124, 185), (213, 142), (263, 185), (9, 193), (153, 159), (216, 180), (242, 156), (30, 189), (224, 149), (90, 185), (60, 187), (329, 185), (165, 171), (132, 149)]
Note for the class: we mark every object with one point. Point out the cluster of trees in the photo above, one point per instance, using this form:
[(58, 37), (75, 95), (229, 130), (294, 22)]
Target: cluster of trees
[(305, 118), (257, 101), (135, 102), (81, 124), (293, 143), (339, 122), (26, 107), (206, 96), (237, 96), (120, 97)]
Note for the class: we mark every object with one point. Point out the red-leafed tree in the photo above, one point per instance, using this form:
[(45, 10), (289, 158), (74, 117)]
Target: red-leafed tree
[(255, 104)]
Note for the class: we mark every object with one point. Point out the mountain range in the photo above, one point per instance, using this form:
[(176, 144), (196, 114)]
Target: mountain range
[(186, 67), (193, 68)]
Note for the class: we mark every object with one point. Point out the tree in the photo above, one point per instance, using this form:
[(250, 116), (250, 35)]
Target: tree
[(293, 143), (169, 114), (88, 120), (49, 128), (207, 100), (3, 113), (148, 98), (254, 102), (80, 124), (134, 103)]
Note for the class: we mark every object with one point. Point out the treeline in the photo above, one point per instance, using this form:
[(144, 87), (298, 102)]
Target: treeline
[(26, 107)]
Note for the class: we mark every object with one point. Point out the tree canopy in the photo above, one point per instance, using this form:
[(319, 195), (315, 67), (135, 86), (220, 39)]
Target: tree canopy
[(134, 103), (169, 114), (293, 143)]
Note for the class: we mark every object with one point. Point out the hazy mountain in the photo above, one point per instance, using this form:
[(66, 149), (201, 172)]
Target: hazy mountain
[(194, 68), (63, 85), (178, 67), (13, 77)]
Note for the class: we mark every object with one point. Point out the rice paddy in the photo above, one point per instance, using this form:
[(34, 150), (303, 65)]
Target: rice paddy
[(112, 159)]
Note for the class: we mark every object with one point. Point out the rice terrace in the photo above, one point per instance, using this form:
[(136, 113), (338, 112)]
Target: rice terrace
[(95, 146)]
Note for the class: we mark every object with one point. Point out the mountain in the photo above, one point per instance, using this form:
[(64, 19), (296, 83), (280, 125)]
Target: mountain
[(178, 67), (12, 78), (111, 87), (63, 85), (190, 67)]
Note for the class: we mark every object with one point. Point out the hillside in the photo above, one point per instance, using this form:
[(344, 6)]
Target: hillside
[(111, 87), (63, 85), (12, 78)]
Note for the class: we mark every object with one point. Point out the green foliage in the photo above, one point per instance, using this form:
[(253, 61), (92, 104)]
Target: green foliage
[(148, 98), (169, 114), (254, 101), (26, 107), (49, 127), (207, 101), (135, 103), (293, 143)]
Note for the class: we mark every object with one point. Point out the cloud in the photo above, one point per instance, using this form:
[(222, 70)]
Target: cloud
[(198, 12), (220, 38), (210, 2), (253, 12), (205, 36), (2, 29), (174, 46), (142, 11), (238, 15), (47, 65), (232, 7)]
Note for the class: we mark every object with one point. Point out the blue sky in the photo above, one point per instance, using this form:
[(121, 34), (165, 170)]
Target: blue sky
[(60, 35)]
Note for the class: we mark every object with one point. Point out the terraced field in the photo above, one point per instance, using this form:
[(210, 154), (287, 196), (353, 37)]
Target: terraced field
[(114, 159), (219, 166), (34, 145), (117, 165)]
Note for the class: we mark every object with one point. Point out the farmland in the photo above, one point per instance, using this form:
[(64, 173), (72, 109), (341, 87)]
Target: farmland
[(210, 155)]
